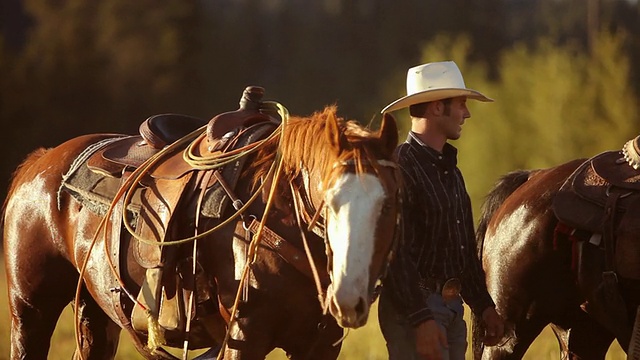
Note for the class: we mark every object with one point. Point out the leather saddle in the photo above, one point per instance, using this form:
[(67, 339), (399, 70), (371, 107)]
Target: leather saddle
[(159, 131), (169, 183), (128, 153), (602, 196), (585, 195)]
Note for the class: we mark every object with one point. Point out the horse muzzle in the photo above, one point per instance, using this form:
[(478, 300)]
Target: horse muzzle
[(349, 308)]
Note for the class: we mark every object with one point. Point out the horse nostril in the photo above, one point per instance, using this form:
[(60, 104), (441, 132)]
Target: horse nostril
[(360, 307)]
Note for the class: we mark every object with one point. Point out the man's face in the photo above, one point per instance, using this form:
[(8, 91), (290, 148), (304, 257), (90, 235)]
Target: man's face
[(453, 116)]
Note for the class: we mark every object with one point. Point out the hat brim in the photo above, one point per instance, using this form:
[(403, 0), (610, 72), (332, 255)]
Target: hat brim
[(433, 95)]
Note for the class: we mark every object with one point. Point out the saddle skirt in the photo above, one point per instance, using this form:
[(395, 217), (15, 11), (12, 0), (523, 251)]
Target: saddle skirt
[(602, 196)]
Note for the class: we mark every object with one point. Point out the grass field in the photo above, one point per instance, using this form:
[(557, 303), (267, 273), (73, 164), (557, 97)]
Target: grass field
[(363, 344)]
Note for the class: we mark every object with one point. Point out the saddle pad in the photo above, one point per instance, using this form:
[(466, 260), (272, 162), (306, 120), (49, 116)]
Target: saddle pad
[(97, 190), (94, 190)]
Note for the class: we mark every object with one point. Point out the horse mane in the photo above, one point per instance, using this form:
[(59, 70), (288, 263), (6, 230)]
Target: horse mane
[(305, 144)]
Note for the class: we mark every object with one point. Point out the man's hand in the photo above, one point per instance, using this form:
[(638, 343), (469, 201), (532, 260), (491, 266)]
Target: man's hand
[(429, 340), (494, 325)]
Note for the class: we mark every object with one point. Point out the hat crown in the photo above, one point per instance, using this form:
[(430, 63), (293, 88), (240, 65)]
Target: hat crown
[(434, 81), (432, 76)]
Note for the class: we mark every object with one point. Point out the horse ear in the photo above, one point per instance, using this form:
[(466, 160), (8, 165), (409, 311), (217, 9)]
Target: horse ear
[(388, 133), (332, 132)]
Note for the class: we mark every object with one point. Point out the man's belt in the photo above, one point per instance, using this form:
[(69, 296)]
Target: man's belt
[(449, 289)]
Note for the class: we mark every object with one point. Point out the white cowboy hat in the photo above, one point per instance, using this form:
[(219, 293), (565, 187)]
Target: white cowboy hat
[(434, 81)]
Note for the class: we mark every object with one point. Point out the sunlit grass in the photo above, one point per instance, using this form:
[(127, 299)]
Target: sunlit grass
[(365, 343)]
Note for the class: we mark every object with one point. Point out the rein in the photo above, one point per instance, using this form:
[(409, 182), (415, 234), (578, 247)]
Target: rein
[(252, 254), (211, 163)]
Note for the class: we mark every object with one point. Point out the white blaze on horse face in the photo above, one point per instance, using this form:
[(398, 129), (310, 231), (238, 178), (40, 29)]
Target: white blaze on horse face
[(355, 204)]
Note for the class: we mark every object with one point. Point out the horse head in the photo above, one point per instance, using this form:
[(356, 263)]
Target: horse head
[(362, 218), (349, 194)]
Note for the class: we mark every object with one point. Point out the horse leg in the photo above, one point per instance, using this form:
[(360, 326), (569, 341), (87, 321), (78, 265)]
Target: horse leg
[(241, 346), (562, 336), (518, 343), (99, 335), (588, 339), (321, 346), (38, 293), (580, 336)]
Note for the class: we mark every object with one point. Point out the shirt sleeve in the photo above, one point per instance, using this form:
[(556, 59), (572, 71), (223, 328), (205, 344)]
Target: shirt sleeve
[(403, 280), (474, 286)]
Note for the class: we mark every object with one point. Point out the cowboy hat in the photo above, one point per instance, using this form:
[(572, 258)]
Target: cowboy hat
[(434, 81)]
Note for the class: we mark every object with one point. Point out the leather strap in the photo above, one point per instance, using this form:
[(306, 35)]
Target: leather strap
[(288, 252), (297, 258), (608, 228), (119, 293)]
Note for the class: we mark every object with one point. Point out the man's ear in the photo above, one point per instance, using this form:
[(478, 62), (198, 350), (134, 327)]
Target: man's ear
[(436, 107)]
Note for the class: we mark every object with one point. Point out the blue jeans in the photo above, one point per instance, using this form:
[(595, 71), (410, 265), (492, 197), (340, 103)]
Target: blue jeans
[(401, 337)]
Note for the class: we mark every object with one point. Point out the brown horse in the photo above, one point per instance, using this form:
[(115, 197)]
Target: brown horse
[(316, 187), (560, 248)]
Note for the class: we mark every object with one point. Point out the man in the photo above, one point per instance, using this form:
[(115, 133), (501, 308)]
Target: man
[(436, 267)]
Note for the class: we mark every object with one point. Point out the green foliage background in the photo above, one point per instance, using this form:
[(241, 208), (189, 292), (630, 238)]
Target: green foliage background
[(552, 104), (564, 88)]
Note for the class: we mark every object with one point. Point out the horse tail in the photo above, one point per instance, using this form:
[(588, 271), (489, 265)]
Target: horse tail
[(505, 186), (17, 175)]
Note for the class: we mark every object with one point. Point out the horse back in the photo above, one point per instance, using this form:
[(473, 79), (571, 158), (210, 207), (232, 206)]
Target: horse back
[(536, 193), (47, 161)]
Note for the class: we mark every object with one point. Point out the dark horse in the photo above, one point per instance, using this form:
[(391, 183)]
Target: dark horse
[(560, 247), (294, 258)]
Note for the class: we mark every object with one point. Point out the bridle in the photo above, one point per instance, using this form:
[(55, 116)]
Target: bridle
[(316, 223)]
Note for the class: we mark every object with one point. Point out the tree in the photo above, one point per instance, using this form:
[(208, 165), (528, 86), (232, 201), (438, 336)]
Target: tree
[(553, 104), (95, 67)]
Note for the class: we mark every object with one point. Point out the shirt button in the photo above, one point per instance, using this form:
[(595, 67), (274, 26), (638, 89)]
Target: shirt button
[(461, 246), (439, 157), (433, 164), (446, 172), (458, 221)]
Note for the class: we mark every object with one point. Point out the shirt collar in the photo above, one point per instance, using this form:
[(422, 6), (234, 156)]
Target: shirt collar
[(449, 152)]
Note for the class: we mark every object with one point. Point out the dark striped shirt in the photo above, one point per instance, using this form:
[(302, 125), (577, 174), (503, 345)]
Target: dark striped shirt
[(439, 241)]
